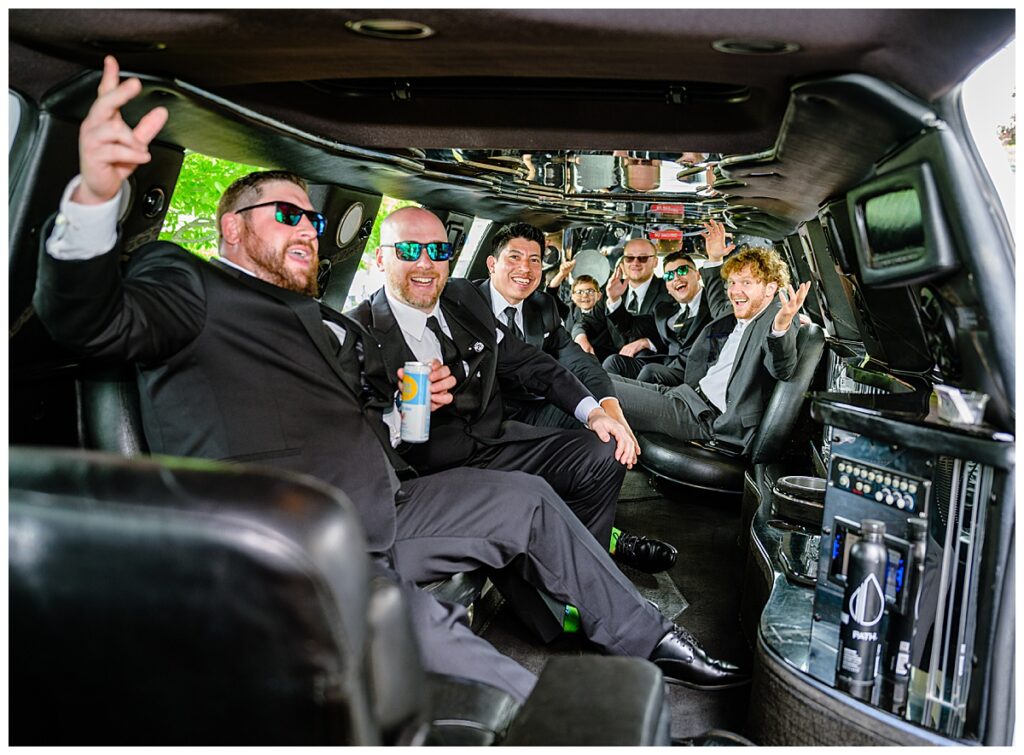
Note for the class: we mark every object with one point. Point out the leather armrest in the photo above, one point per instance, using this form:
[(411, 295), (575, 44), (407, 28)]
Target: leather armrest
[(594, 700)]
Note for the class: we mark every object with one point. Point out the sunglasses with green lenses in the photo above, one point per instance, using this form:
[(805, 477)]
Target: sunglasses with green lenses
[(677, 272), (410, 251), (290, 214)]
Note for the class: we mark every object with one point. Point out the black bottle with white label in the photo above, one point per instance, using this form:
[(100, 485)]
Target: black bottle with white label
[(863, 608)]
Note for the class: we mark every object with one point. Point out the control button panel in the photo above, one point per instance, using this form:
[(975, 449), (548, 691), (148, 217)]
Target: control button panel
[(894, 489)]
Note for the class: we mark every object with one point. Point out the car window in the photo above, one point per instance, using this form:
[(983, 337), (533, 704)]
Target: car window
[(989, 96)]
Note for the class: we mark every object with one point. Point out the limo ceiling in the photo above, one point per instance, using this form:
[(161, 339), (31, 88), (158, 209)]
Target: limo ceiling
[(521, 79)]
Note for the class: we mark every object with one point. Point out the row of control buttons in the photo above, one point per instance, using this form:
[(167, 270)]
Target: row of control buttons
[(870, 475), (885, 487)]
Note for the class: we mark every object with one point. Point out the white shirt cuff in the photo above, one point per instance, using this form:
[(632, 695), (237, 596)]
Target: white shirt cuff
[(585, 407), (715, 263), (393, 420), (611, 306), (83, 231)]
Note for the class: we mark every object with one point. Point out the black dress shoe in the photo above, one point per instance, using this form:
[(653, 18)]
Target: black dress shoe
[(683, 661), (643, 553)]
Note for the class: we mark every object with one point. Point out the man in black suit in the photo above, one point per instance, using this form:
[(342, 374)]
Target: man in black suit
[(236, 361), (420, 314), (530, 314), (632, 296), (734, 363)]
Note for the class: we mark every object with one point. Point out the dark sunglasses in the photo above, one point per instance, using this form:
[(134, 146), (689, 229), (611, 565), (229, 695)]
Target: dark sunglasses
[(289, 214), (410, 251), (677, 272), (643, 259)]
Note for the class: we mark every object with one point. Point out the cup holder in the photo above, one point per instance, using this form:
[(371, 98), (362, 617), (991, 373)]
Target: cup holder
[(799, 501)]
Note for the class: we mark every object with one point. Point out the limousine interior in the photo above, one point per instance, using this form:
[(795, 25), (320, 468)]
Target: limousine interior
[(157, 600)]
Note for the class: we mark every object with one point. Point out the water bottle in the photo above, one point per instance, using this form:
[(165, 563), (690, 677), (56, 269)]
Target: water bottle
[(863, 609)]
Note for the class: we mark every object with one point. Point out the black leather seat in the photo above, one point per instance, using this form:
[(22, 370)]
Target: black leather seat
[(174, 601), (711, 466)]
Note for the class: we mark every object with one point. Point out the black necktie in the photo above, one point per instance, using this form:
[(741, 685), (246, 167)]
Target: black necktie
[(682, 322), (510, 315), (449, 351), (633, 306)]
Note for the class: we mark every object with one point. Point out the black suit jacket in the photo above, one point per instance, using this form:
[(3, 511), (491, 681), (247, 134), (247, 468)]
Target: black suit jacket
[(542, 327), (594, 325), (643, 324), (475, 418), (678, 343), (230, 368)]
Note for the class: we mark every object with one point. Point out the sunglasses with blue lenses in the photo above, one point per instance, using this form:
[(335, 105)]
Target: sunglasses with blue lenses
[(410, 251), (289, 214), (678, 272)]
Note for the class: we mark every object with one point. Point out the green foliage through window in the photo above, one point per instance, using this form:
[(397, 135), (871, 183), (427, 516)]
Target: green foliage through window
[(191, 218)]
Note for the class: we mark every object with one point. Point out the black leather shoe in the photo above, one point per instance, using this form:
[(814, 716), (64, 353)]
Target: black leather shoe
[(643, 553), (683, 661)]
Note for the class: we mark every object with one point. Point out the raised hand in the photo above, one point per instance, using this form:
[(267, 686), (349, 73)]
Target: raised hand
[(715, 240), (109, 149), (616, 285), (791, 302)]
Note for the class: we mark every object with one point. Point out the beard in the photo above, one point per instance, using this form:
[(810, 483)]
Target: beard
[(272, 267), (403, 289)]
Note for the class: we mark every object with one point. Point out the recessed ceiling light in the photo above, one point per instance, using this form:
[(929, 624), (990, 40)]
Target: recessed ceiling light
[(126, 46), (390, 28), (754, 46)]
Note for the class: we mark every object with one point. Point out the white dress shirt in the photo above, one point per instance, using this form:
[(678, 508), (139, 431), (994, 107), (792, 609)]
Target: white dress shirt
[(640, 291)]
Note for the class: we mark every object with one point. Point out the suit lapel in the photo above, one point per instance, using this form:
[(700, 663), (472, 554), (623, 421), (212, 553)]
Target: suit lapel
[(473, 314), (393, 350), (308, 312)]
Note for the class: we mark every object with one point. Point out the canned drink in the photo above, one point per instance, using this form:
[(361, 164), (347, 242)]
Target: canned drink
[(863, 608), (416, 402)]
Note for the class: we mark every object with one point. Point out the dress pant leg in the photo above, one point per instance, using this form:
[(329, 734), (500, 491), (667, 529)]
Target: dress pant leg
[(617, 364), (546, 414), (466, 519), (448, 646), (579, 466), (658, 409), (661, 374)]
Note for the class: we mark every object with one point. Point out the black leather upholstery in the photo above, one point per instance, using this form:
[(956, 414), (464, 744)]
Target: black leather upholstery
[(109, 416), (584, 702), (183, 602), (715, 468), (178, 602)]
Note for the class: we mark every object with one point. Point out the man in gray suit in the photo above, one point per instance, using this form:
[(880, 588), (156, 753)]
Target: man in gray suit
[(236, 361), (732, 367)]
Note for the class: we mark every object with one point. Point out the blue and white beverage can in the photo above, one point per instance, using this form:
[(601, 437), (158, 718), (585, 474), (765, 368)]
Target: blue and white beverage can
[(416, 402)]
